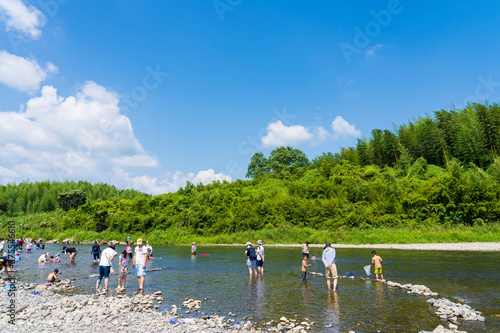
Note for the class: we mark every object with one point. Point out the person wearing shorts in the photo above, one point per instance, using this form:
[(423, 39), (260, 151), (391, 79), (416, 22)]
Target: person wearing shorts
[(105, 265), (139, 262), (260, 257), (377, 262), (305, 250), (304, 267), (251, 256), (72, 252), (328, 259)]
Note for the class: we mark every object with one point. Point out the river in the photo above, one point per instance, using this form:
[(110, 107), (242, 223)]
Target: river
[(359, 305)]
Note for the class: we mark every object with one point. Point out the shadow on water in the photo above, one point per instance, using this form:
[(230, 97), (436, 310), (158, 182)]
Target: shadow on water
[(359, 305)]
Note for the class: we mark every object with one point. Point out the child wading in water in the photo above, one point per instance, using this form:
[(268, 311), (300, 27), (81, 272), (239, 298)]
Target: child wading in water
[(377, 262), (125, 260), (304, 267)]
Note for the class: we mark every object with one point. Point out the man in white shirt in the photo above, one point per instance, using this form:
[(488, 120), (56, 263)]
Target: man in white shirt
[(140, 257), (105, 265)]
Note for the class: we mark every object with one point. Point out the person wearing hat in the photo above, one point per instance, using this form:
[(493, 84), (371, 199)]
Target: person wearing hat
[(96, 252), (328, 258), (193, 249), (128, 241), (43, 258), (260, 257), (105, 265), (305, 250), (124, 260), (251, 256), (140, 257)]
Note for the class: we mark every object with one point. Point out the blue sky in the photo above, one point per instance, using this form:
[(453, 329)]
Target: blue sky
[(150, 94)]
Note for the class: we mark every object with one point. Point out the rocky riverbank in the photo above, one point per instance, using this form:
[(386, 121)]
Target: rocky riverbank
[(59, 308)]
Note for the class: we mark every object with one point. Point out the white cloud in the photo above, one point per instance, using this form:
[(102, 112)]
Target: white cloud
[(351, 81), (21, 73), (17, 16), (372, 50), (342, 128), (281, 135), (171, 182), (321, 133), (78, 137)]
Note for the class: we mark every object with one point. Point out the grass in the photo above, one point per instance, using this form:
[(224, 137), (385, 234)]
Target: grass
[(46, 226)]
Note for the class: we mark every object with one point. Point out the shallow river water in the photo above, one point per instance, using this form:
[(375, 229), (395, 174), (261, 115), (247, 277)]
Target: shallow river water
[(359, 305)]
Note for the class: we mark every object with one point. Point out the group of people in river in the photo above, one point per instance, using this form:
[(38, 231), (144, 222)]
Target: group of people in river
[(328, 258), (137, 259)]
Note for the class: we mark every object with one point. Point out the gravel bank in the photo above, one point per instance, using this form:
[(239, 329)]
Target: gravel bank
[(478, 246)]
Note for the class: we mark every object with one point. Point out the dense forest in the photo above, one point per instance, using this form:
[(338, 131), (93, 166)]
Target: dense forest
[(431, 171)]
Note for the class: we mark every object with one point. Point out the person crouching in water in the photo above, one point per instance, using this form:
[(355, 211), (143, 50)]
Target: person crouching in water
[(105, 265), (72, 252), (124, 260), (53, 276), (6, 262)]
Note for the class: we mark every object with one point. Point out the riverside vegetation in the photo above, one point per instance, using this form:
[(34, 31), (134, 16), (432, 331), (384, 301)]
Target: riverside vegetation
[(434, 179)]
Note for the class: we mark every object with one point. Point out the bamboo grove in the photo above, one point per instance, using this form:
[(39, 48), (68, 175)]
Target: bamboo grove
[(441, 170)]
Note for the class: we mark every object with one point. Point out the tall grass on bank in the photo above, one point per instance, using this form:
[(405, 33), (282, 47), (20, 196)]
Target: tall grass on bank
[(49, 226)]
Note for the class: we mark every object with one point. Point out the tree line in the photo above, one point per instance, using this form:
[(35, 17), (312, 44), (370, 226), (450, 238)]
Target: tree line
[(443, 170)]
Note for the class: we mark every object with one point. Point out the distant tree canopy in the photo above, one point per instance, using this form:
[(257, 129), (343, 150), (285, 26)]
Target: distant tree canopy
[(281, 161), (443, 170), (71, 200)]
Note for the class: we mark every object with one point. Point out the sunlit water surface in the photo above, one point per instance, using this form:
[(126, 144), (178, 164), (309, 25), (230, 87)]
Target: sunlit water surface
[(359, 305)]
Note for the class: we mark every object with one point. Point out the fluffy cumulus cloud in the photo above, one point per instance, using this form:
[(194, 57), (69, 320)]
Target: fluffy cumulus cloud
[(170, 183), (17, 16), (21, 73), (77, 137), (341, 128), (282, 135)]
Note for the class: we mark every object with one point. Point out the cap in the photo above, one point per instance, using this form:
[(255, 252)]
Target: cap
[(327, 245), (46, 253), (259, 242), (194, 243), (95, 242), (139, 241), (128, 249), (128, 237), (111, 245), (248, 243)]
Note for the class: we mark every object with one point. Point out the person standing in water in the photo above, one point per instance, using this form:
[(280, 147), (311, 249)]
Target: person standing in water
[(377, 262), (260, 257), (193, 249), (105, 265), (125, 260), (305, 249), (96, 252), (251, 258), (331, 269), (140, 257)]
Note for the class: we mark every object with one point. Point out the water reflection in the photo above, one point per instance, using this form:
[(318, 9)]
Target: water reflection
[(223, 278), (333, 311)]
